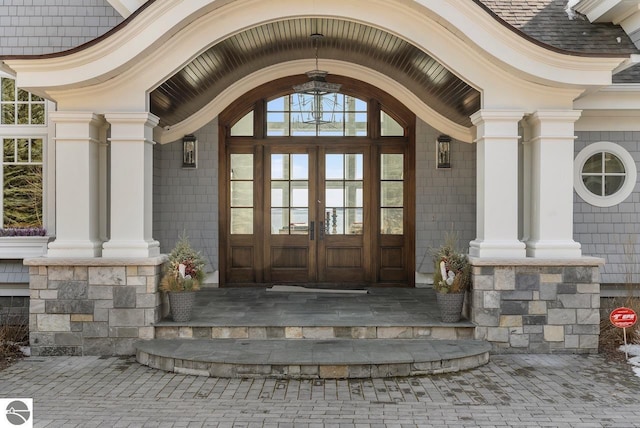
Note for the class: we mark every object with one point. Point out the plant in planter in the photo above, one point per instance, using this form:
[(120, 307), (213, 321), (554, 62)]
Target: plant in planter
[(183, 274), (451, 279)]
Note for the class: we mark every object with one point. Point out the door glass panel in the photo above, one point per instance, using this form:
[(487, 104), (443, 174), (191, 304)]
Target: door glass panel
[(391, 194), (344, 188), (299, 167), (391, 221), (354, 221), (334, 221), (334, 194), (353, 194), (353, 166), (241, 221), (279, 193), (241, 194), (279, 221), (392, 167), (279, 167), (299, 193), (334, 167), (242, 167), (289, 194), (299, 224)]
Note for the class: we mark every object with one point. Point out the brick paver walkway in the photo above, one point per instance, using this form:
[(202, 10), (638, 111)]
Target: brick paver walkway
[(515, 390)]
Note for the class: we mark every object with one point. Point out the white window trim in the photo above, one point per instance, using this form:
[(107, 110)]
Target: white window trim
[(629, 166), (42, 131)]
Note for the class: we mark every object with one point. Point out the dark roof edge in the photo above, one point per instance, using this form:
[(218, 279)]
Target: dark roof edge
[(85, 45), (150, 2), (542, 44)]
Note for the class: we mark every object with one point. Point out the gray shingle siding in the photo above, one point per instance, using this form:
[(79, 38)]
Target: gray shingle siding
[(35, 27), (611, 232), (186, 199), (445, 198), (13, 272)]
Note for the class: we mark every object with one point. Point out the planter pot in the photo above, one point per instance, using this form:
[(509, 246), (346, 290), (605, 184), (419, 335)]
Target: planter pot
[(181, 305), (450, 305)]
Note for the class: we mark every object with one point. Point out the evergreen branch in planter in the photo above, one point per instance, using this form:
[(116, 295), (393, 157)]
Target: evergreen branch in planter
[(452, 273)]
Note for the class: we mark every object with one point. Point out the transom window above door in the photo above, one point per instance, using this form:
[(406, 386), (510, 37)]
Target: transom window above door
[(342, 115)]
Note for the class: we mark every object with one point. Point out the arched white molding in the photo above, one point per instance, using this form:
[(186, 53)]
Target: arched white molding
[(126, 7), (233, 92), (459, 34)]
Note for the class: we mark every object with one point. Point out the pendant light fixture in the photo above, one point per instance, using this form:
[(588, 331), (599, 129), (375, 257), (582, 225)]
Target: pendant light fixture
[(317, 98)]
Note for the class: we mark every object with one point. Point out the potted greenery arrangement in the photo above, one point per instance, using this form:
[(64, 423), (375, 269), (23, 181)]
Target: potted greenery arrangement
[(182, 278), (451, 279)]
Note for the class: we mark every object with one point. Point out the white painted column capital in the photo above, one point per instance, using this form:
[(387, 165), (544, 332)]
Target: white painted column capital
[(77, 136), (131, 217), (552, 150), (497, 185)]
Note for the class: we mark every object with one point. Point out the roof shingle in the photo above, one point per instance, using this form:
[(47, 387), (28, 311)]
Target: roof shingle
[(547, 22)]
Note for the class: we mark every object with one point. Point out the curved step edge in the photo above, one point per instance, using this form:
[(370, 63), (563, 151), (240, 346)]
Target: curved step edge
[(477, 356)]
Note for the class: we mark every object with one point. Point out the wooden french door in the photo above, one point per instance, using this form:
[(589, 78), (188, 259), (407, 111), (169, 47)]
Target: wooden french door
[(334, 214), (318, 206)]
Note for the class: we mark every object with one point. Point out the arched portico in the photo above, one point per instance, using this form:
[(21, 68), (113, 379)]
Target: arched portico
[(106, 125), (113, 78)]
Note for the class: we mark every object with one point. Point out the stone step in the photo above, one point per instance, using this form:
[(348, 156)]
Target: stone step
[(312, 358), (170, 330)]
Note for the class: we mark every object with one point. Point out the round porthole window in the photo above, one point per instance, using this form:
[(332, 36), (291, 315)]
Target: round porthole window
[(605, 174)]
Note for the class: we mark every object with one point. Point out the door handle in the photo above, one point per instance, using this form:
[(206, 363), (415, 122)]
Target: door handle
[(321, 231), (312, 230)]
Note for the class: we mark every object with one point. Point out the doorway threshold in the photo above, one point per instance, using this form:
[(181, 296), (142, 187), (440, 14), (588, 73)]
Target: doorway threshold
[(303, 289)]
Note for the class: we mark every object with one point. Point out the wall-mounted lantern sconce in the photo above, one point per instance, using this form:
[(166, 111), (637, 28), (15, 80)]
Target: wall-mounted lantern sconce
[(189, 151), (443, 155)]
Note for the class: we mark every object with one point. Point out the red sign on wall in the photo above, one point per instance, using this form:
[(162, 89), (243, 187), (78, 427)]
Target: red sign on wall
[(623, 317)]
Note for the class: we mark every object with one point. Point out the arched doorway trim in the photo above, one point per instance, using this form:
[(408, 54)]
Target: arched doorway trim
[(345, 228), (387, 84)]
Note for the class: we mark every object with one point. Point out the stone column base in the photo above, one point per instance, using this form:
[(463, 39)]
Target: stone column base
[(92, 306), (537, 306)]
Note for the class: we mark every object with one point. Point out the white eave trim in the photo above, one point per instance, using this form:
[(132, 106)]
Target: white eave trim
[(614, 11), (126, 7), (165, 18)]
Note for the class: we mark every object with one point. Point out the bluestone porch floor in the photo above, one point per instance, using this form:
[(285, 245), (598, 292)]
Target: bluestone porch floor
[(382, 307)]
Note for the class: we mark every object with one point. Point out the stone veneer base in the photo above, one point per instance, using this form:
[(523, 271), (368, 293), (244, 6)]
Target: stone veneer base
[(536, 305), (92, 306)]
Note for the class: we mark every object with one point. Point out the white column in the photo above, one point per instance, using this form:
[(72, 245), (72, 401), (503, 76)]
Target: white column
[(552, 141), (525, 197), (497, 185), (131, 178), (77, 191)]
